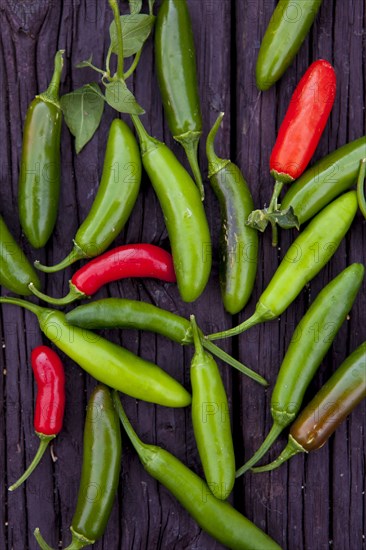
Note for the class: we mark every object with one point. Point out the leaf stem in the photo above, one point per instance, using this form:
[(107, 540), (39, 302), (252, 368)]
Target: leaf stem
[(114, 5)]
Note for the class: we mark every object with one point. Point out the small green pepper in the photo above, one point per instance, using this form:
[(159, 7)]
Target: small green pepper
[(217, 517), (211, 420), (105, 361), (100, 472), (238, 241), (39, 178), (184, 214), (307, 255), (177, 76), (16, 272), (311, 341), (286, 31)]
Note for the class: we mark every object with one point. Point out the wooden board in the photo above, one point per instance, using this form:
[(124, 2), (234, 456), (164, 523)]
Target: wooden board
[(312, 503)]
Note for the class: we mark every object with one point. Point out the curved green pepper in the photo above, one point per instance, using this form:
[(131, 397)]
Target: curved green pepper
[(307, 255), (344, 390), (100, 472), (323, 182), (217, 517), (184, 214), (177, 76), (238, 241), (114, 201), (112, 365), (286, 31), (16, 272), (39, 178), (311, 340)]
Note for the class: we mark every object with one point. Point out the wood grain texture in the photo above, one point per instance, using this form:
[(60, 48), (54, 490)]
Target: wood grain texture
[(311, 503)]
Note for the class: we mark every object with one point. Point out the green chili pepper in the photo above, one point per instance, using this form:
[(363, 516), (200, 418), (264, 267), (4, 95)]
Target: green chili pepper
[(323, 182), (125, 314), (114, 201), (39, 178), (100, 472), (216, 517), (311, 340), (15, 270), (307, 255), (286, 31), (211, 420), (111, 364), (344, 390), (177, 76), (360, 188), (238, 241), (184, 214)]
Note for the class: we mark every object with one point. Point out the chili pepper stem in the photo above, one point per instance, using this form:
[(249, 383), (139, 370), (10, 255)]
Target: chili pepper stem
[(215, 163), (267, 443), (76, 254), (292, 448), (261, 314), (45, 439), (360, 188), (37, 310), (72, 296), (51, 95), (196, 337), (147, 142), (138, 445), (189, 142), (41, 542), (226, 358)]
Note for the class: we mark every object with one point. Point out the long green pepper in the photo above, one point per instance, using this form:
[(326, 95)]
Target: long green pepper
[(175, 60), (211, 420), (307, 255), (238, 241), (114, 201), (217, 517), (311, 341), (40, 173), (325, 180), (112, 365), (183, 211), (344, 390), (111, 313), (100, 472)]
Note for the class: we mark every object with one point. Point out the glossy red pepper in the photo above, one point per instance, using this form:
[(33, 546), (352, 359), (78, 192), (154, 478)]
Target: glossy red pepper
[(50, 403), (297, 139), (131, 260)]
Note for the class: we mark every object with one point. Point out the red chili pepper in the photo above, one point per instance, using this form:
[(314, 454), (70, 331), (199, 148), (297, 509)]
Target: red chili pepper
[(50, 403), (304, 122), (297, 140), (132, 260)]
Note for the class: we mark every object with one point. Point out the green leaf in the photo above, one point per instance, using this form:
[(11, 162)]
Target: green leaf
[(135, 6), (120, 98), (83, 109), (85, 63), (135, 30), (259, 219)]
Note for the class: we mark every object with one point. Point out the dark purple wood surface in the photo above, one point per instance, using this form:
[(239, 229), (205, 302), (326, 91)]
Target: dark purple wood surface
[(311, 503)]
